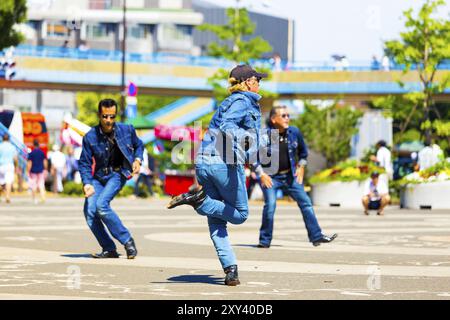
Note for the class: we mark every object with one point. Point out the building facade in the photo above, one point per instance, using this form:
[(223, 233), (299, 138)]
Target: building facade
[(152, 25)]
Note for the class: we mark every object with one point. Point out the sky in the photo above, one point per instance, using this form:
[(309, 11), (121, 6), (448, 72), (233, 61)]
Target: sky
[(355, 28)]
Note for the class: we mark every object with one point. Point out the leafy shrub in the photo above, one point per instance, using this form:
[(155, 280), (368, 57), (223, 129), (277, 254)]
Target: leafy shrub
[(72, 189), (350, 170)]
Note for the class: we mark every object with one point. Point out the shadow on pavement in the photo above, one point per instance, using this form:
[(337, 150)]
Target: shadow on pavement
[(256, 246), (195, 278), (77, 255)]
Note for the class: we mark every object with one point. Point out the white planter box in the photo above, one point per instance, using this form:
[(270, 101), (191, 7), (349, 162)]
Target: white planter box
[(433, 195), (341, 194)]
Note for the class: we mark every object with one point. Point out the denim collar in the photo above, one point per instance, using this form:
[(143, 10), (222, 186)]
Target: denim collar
[(253, 96), (100, 131)]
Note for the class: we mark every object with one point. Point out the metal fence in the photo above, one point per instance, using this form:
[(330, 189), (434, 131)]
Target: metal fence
[(203, 61)]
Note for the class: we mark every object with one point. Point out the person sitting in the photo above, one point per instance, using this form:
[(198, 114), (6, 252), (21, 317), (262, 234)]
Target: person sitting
[(376, 195)]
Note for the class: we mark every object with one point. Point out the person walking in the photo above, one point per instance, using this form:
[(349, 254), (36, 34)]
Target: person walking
[(289, 178), (383, 159), (37, 165), (220, 165), (58, 168), (117, 152), (145, 174), (8, 159)]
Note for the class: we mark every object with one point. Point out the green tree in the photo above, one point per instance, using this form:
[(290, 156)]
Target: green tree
[(12, 12), (329, 130), (233, 47), (87, 106), (423, 46), (408, 124)]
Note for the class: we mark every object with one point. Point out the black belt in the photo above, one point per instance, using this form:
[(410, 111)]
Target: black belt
[(108, 170)]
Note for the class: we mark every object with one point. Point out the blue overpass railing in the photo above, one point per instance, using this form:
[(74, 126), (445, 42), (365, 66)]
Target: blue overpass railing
[(202, 61), (184, 59)]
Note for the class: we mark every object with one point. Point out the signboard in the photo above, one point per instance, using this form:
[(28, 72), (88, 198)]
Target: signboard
[(176, 133), (34, 127), (131, 101)]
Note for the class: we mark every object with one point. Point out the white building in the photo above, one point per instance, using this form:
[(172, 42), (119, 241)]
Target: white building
[(152, 25)]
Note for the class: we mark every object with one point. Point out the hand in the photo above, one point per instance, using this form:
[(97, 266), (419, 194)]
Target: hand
[(88, 190), (300, 173), (136, 166), (373, 158), (266, 181)]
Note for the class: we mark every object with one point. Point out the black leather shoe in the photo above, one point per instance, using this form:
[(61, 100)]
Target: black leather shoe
[(105, 255), (193, 199), (231, 278), (130, 248), (324, 239), (265, 246)]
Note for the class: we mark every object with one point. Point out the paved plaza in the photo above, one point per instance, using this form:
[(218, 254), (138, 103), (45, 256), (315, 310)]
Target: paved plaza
[(44, 254)]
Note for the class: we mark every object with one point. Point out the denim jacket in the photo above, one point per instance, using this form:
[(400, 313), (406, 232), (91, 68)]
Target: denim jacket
[(298, 151), (237, 117), (95, 146)]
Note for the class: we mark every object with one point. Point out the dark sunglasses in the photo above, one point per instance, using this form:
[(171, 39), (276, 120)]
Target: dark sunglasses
[(106, 116), (285, 115)]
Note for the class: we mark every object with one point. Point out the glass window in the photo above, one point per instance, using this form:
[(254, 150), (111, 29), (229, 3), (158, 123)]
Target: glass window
[(98, 30), (177, 32), (136, 31), (57, 29)]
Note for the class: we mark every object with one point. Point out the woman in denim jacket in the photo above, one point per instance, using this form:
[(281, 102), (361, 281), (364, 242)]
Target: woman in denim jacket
[(231, 141)]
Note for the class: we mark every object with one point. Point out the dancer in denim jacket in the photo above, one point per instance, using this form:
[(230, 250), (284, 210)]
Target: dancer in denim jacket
[(290, 151), (118, 155), (231, 141)]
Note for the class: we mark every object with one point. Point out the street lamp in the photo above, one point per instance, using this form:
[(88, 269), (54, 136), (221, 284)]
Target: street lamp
[(124, 47)]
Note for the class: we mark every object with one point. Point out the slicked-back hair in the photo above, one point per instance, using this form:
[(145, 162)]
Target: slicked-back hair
[(274, 110), (272, 113), (106, 103)]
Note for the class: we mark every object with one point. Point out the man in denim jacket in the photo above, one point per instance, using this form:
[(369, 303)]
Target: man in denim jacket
[(117, 152), (289, 152)]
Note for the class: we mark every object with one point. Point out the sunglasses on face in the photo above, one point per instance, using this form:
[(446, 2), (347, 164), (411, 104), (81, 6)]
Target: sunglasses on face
[(111, 116), (285, 115)]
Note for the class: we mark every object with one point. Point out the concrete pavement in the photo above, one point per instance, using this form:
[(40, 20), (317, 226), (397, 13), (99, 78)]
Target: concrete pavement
[(44, 254)]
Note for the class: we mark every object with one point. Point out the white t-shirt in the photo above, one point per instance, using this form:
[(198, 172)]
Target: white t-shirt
[(384, 159), (380, 189), (426, 158), (58, 160)]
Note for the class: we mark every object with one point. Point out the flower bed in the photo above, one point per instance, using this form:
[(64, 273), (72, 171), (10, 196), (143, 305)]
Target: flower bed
[(342, 185), (427, 189), (347, 171)]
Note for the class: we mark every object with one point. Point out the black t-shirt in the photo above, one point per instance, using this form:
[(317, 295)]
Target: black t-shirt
[(284, 153), (115, 155)]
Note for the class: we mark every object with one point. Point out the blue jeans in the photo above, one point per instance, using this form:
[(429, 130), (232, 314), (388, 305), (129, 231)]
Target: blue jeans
[(98, 212), (226, 201), (288, 183)]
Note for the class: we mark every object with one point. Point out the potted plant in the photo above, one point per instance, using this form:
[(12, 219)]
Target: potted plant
[(343, 184), (427, 189)]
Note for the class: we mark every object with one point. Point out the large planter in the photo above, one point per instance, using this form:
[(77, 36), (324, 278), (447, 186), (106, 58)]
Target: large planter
[(433, 195), (338, 194)]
